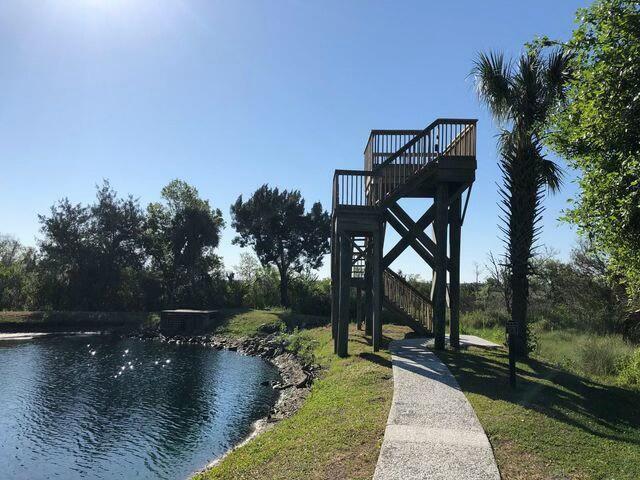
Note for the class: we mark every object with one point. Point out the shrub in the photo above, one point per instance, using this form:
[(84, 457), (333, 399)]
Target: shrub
[(603, 355), (312, 297), (630, 369), (302, 345)]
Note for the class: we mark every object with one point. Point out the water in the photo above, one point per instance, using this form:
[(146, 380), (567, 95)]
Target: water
[(102, 407)]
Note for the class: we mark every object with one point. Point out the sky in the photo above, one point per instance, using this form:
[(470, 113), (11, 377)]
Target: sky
[(230, 95)]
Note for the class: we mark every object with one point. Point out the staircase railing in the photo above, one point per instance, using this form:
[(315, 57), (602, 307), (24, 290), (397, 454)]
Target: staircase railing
[(443, 138), (408, 299)]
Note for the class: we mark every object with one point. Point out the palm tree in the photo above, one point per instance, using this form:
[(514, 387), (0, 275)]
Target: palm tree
[(521, 96)]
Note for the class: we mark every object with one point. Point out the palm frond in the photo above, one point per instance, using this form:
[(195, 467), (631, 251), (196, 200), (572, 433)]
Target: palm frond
[(552, 175), (558, 72), (492, 78)]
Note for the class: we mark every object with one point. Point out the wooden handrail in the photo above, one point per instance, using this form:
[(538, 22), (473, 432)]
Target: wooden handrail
[(442, 138), (390, 272), (408, 299), (356, 188), (423, 134), (377, 183)]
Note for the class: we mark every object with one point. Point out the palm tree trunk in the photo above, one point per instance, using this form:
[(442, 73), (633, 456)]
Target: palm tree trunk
[(519, 303), (523, 189)]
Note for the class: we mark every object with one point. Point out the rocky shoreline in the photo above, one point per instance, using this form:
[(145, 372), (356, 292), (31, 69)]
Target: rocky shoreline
[(296, 375)]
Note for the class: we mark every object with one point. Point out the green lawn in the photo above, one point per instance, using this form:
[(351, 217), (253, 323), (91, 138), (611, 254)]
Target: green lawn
[(556, 424), (243, 322)]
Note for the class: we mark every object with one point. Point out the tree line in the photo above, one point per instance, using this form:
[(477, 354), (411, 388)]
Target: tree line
[(576, 294), (113, 255)]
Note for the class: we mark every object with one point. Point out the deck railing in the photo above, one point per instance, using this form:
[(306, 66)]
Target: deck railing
[(408, 299), (355, 188), (444, 137), (384, 143), (392, 157)]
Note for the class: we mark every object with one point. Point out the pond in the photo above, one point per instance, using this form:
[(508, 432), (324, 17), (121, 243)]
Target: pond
[(102, 407)]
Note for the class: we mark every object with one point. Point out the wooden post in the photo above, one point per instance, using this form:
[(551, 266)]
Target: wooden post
[(368, 294), (335, 281), (345, 280), (335, 285), (359, 308), (377, 291), (455, 212), (440, 266)]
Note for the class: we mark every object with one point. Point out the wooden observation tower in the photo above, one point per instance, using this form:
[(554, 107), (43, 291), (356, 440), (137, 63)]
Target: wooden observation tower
[(437, 164)]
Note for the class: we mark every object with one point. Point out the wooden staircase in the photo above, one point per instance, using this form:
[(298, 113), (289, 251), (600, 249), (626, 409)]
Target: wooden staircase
[(415, 309), (437, 162)]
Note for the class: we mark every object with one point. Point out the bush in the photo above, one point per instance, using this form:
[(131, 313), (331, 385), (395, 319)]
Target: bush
[(603, 356), (310, 296), (630, 369), (302, 344)]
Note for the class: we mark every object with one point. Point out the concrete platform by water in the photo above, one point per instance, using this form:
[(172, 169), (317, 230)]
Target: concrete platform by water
[(432, 431)]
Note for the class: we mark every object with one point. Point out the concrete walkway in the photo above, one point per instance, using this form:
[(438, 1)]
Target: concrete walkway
[(432, 432)]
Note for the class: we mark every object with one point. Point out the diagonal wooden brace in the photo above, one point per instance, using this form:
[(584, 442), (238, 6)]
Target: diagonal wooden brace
[(411, 240)]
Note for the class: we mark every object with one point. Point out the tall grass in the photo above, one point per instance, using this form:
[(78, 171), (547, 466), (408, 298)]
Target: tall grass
[(606, 357), (592, 355), (630, 371), (488, 325)]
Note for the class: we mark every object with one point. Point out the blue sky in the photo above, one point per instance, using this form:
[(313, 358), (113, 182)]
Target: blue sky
[(230, 95)]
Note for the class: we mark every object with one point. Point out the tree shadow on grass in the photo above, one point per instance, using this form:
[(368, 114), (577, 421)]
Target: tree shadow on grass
[(376, 358), (602, 410)]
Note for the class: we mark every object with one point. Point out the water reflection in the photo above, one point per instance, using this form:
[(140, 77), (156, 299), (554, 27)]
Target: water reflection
[(71, 413)]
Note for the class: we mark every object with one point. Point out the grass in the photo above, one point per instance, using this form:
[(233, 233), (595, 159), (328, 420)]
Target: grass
[(556, 424), (338, 431), (495, 334), (243, 322), (597, 356)]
